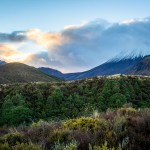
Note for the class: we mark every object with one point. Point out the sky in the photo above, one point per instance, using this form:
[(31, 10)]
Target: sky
[(72, 35)]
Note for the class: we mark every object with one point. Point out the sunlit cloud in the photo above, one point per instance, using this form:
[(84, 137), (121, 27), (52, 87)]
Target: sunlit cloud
[(7, 50), (46, 39), (129, 21), (83, 23), (10, 54)]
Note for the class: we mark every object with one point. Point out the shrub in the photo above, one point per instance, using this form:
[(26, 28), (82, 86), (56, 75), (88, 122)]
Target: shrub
[(38, 124), (119, 130), (83, 123), (13, 138), (41, 133), (138, 130), (127, 111), (2, 139), (4, 146), (3, 131), (103, 147), (25, 146), (83, 138), (69, 146), (61, 135), (119, 124)]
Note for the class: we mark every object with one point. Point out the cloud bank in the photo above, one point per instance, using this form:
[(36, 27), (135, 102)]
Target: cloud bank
[(16, 36), (81, 47), (9, 53)]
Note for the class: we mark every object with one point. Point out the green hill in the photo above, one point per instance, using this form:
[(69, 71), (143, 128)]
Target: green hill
[(101, 112), (21, 73), (61, 100)]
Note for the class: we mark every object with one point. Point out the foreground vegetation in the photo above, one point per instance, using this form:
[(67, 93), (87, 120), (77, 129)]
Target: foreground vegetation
[(24, 103), (123, 129), (59, 116)]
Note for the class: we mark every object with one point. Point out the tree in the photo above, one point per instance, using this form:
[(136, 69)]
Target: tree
[(54, 104), (101, 103), (19, 115), (14, 111), (117, 100)]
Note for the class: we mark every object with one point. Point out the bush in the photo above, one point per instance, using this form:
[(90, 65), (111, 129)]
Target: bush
[(3, 131), (103, 147), (61, 135), (42, 132), (83, 123), (4, 146), (69, 146), (120, 130), (38, 124), (127, 111), (138, 130), (83, 138), (13, 138), (119, 124), (25, 146)]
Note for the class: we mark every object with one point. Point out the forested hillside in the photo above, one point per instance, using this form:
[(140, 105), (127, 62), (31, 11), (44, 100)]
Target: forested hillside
[(101, 113), (24, 103)]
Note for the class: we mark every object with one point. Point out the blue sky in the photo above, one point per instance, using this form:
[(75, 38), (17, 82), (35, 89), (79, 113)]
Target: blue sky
[(72, 35), (53, 15)]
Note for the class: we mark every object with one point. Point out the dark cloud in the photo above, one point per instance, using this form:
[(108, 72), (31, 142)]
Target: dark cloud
[(16, 36)]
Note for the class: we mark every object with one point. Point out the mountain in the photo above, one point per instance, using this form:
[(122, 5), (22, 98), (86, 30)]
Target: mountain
[(2, 62), (51, 71), (21, 73), (142, 67), (114, 66), (109, 68)]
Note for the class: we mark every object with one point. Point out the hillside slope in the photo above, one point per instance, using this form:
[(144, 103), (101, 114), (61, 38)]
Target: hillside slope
[(52, 72), (21, 73), (2, 62), (142, 67), (98, 108), (122, 66), (71, 99)]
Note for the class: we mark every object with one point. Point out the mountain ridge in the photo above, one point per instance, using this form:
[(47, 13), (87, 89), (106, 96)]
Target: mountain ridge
[(142, 67), (126, 65), (133, 65), (21, 73)]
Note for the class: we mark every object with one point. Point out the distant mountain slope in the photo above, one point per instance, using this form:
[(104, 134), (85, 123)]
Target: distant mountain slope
[(109, 68), (21, 73), (51, 71), (116, 66), (2, 62), (142, 67)]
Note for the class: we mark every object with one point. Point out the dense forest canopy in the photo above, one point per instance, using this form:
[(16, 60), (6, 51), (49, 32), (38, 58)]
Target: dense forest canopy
[(100, 113), (24, 103)]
